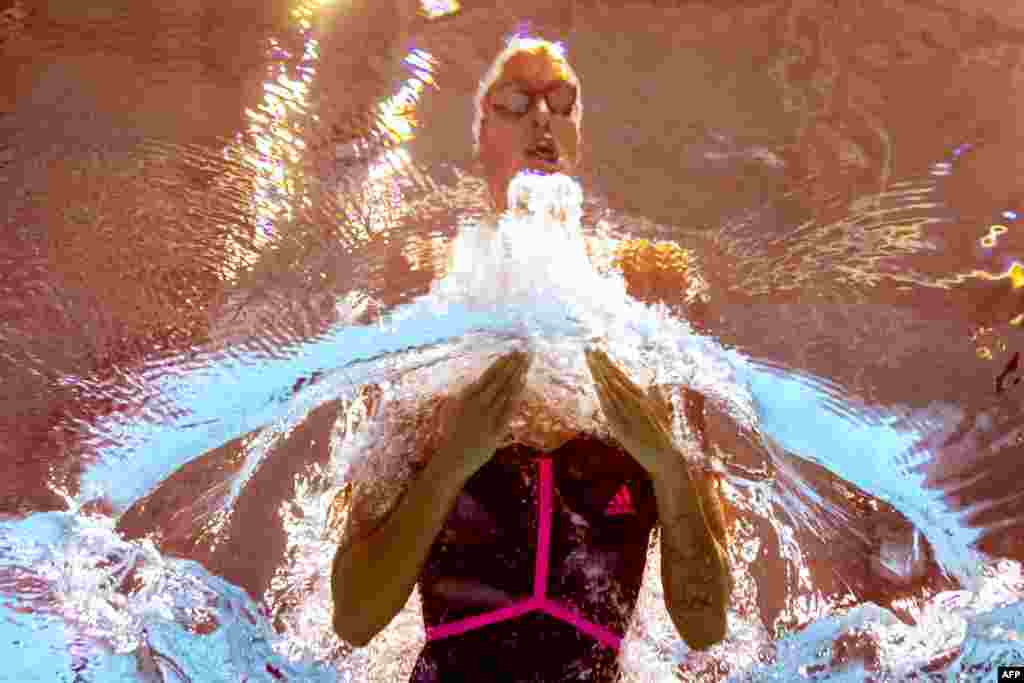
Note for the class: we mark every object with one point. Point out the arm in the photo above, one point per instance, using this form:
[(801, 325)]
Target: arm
[(694, 569), (681, 555), (707, 481), (372, 577)]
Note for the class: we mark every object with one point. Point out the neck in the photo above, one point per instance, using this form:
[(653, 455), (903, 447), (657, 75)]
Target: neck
[(498, 199)]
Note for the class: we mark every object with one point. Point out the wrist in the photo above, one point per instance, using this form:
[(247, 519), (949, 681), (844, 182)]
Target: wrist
[(655, 459), (670, 469), (455, 466)]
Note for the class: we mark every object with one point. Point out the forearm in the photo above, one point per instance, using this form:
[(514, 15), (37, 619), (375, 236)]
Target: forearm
[(694, 570), (372, 579)]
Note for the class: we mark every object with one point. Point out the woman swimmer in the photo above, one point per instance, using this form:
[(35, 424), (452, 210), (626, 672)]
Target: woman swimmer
[(530, 564)]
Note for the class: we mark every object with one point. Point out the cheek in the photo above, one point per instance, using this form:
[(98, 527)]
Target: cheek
[(499, 147)]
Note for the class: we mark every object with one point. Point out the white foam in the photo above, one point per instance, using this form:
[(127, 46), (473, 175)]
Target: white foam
[(532, 261)]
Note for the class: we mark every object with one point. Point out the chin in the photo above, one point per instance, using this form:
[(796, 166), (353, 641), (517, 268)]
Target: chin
[(545, 167)]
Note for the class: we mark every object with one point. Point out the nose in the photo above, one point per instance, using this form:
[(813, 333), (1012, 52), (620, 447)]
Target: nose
[(541, 111)]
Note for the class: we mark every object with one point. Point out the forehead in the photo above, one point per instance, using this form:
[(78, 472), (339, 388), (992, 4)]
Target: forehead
[(535, 71)]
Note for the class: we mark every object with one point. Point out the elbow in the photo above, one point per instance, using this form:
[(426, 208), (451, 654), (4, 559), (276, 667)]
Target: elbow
[(345, 627), (701, 626), (704, 634), (350, 635), (359, 642), (348, 628)]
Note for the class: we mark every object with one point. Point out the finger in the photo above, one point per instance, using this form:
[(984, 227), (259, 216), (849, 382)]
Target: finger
[(606, 392), (515, 371), (509, 399), (610, 403), (508, 381), (596, 359), (515, 383), (492, 378), (506, 405), (662, 402), (628, 408), (599, 381), (625, 409), (600, 361), (618, 377), (613, 388), (613, 394), (493, 371)]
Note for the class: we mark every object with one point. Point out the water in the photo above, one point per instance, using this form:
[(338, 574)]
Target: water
[(223, 291)]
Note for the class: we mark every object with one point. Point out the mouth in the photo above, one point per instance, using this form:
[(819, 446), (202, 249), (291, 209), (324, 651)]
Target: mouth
[(545, 152)]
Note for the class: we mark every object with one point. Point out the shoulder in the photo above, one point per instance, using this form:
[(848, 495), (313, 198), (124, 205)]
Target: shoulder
[(661, 266), (655, 270)]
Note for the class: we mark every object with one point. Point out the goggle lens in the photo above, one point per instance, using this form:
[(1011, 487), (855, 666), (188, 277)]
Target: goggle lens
[(561, 99), (512, 99)]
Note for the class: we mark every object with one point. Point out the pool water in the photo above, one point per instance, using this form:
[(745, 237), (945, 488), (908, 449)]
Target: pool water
[(240, 241)]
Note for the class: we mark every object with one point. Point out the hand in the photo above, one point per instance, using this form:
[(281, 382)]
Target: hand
[(474, 421), (640, 422)]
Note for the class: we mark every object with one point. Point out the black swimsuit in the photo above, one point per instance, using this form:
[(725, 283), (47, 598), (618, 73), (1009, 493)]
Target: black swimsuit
[(513, 595)]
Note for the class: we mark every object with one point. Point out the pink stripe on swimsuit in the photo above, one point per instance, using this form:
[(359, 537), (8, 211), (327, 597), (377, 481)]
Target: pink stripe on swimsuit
[(539, 601)]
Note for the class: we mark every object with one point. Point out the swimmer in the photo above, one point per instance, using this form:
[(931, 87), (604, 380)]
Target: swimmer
[(530, 563)]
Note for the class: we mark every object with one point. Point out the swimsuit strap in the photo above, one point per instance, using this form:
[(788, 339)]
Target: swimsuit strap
[(539, 602)]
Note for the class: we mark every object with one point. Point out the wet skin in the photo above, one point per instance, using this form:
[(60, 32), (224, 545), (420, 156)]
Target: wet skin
[(506, 139), (694, 570)]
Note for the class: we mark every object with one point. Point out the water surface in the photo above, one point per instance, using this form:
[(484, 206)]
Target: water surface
[(226, 260)]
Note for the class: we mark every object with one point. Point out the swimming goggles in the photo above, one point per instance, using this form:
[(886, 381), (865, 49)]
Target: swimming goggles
[(513, 99)]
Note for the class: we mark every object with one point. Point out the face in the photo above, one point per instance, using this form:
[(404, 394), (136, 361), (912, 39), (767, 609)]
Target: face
[(527, 124)]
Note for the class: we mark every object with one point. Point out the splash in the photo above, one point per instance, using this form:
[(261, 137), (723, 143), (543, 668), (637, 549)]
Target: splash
[(522, 279), (530, 273), (115, 610), (531, 262)]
